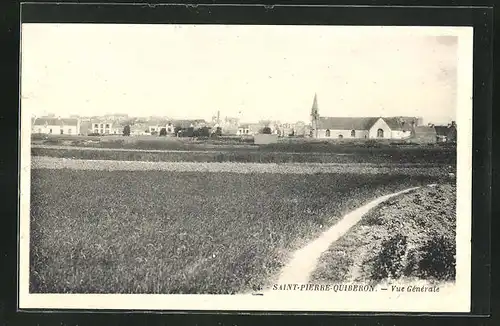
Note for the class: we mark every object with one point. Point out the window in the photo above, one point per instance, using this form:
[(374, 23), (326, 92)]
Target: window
[(102, 131), (50, 131), (107, 125), (69, 131), (327, 133), (380, 133), (107, 131), (96, 125), (340, 136), (96, 131), (102, 125), (353, 133), (62, 131)]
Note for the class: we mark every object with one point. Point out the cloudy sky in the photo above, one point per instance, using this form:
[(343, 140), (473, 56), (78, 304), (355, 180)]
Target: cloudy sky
[(250, 72)]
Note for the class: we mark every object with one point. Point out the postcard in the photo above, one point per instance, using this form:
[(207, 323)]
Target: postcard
[(245, 167)]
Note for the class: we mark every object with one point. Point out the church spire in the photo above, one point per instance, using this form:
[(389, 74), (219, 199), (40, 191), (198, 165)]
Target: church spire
[(314, 110), (314, 116)]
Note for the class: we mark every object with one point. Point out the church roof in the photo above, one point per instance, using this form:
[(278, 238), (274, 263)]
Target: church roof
[(400, 123), (346, 123), (364, 123)]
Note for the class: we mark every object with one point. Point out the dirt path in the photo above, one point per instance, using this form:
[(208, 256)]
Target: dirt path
[(304, 260)]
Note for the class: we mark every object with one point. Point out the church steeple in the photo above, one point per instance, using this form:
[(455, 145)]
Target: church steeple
[(314, 109), (315, 116)]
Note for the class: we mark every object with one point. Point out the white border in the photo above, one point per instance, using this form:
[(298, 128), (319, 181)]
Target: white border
[(451, 298)]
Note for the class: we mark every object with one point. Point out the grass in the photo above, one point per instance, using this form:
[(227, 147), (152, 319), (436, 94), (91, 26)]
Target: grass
[(181, 232), (304, 145), (377, 156), (409, 237)]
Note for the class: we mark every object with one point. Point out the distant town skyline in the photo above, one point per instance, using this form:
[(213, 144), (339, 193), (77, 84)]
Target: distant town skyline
[(248, 72)]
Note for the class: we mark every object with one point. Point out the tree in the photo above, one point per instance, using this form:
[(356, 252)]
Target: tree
[(204, 132), (266, 130), (189, 132), (218, 131), (126, 130), (163, 131)]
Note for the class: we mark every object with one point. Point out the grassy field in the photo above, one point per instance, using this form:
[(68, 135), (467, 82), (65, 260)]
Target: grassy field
[(301, 145), (181, 232), (431, 156), (408, 237)]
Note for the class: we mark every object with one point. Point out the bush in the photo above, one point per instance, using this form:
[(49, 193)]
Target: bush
[(266, 130), (438, 258), (389, 262), (126, 130), (163, 131)]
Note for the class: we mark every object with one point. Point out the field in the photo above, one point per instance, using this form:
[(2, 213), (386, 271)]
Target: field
[(276, 153), (98, 231), (408, 237)]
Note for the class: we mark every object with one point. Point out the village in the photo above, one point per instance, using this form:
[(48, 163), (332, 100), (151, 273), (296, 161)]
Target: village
[(319, 127)]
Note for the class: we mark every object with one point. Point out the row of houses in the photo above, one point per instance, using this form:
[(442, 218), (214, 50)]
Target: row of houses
[(103, 126)]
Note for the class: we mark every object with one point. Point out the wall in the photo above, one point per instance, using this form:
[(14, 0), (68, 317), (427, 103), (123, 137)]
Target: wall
[(380, 124), (263, 139), (334, 133), (399, 134), (71, 130)]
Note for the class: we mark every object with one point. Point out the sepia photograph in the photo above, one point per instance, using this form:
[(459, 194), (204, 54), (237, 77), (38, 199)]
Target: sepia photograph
[(245, 167)]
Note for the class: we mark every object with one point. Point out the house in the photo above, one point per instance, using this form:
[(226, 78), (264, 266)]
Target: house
[(56, 126), (424, 134), (101, 126), (139, 129), (360, 127), (85, 127), (446, 133), (170, 128), (243, 129), (300, 129), (154, 129), (230, 125), (250, 128), (189, 123)]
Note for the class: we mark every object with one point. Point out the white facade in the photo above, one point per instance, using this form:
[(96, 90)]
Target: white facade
[(154, 129), (102, 128), (380, 130), (57, 129), (335, 133), (243, 131), (400, 134)]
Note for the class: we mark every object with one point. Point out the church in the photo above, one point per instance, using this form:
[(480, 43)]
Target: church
[(361, 127)]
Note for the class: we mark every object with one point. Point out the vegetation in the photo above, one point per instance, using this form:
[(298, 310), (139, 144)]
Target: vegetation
[(423, 160), (118, 232), (412, 236), (266, 130), (126, 130)]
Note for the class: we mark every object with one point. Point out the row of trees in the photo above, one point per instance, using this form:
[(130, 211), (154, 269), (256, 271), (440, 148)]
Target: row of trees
[(184, 132)]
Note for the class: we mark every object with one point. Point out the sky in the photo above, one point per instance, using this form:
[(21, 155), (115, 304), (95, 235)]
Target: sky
[(248, 72)]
